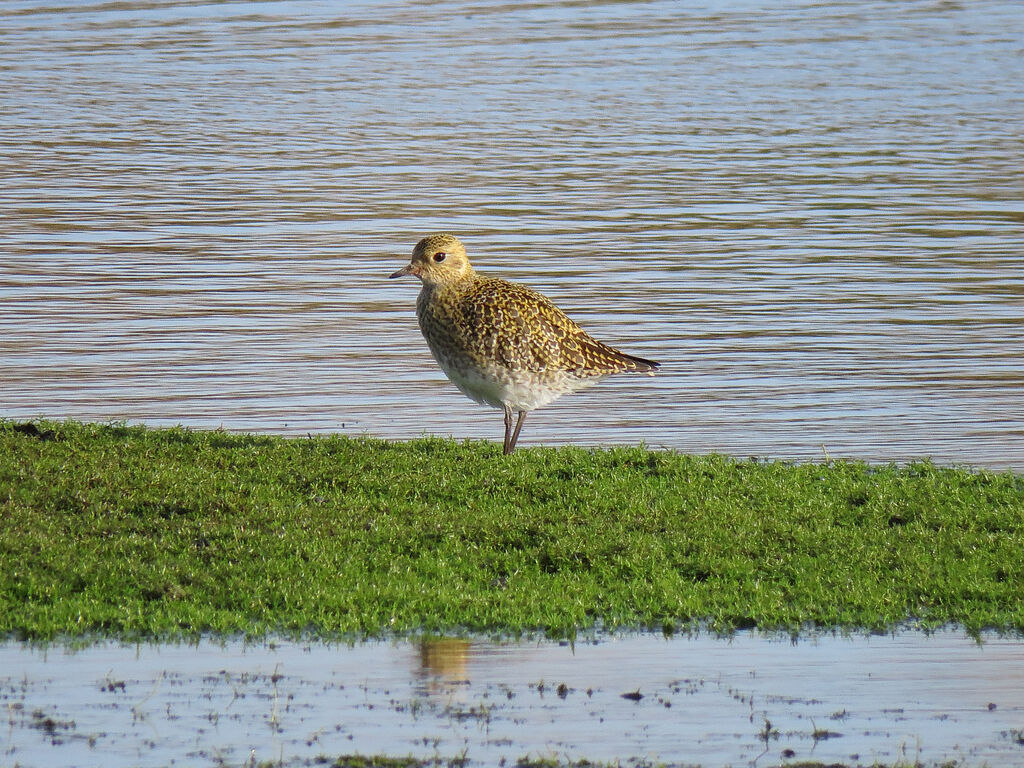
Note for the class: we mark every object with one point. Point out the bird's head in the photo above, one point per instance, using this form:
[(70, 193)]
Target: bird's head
[(438, 260)]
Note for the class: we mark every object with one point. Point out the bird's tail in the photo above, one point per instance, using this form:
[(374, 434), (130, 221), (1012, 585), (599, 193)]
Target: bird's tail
[(636, 364), (598, 359)]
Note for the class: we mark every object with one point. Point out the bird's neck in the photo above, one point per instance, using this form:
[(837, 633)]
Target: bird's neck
[(455, 285)]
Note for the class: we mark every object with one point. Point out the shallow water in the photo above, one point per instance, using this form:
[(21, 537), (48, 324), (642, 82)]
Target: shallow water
[(812, 213), (702, 700)]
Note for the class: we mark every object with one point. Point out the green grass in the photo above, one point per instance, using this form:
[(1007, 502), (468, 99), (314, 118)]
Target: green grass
[(132, 532), (386, 761)]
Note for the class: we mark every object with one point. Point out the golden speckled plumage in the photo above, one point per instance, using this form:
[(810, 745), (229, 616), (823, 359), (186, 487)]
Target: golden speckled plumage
[(489, 318), (501, 343)]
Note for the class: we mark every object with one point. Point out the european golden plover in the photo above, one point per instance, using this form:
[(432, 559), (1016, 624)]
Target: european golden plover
[(504, 344)]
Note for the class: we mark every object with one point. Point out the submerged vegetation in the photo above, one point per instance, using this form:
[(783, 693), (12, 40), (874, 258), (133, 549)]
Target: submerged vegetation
[(137, 532)]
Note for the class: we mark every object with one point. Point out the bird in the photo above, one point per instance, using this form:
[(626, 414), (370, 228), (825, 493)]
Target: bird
[(501, 343)]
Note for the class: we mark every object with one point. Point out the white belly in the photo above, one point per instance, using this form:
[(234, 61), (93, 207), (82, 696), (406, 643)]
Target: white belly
[(519, 390)]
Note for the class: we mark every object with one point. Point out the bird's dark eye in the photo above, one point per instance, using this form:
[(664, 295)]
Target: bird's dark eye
[(440, 256)]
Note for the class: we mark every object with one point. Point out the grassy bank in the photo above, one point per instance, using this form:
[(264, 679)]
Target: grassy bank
[(137, 532)]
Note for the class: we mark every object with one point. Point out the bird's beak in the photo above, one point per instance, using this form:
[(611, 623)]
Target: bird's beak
[(408, 269)]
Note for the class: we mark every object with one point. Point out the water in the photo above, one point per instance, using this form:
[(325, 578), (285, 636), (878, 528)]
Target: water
[(812, 213), (752, 700)]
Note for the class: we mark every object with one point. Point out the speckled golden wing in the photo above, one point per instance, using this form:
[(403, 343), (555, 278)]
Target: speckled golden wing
[(525, 331)]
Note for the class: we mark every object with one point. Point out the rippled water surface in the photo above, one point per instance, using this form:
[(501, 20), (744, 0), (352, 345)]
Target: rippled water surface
[(906, 699), (811, 213)]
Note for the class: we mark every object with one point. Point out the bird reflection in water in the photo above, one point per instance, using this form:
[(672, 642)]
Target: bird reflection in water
[(443, 663)]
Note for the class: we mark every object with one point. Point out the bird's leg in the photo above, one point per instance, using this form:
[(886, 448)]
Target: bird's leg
[(515, 435), (507, 449)]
